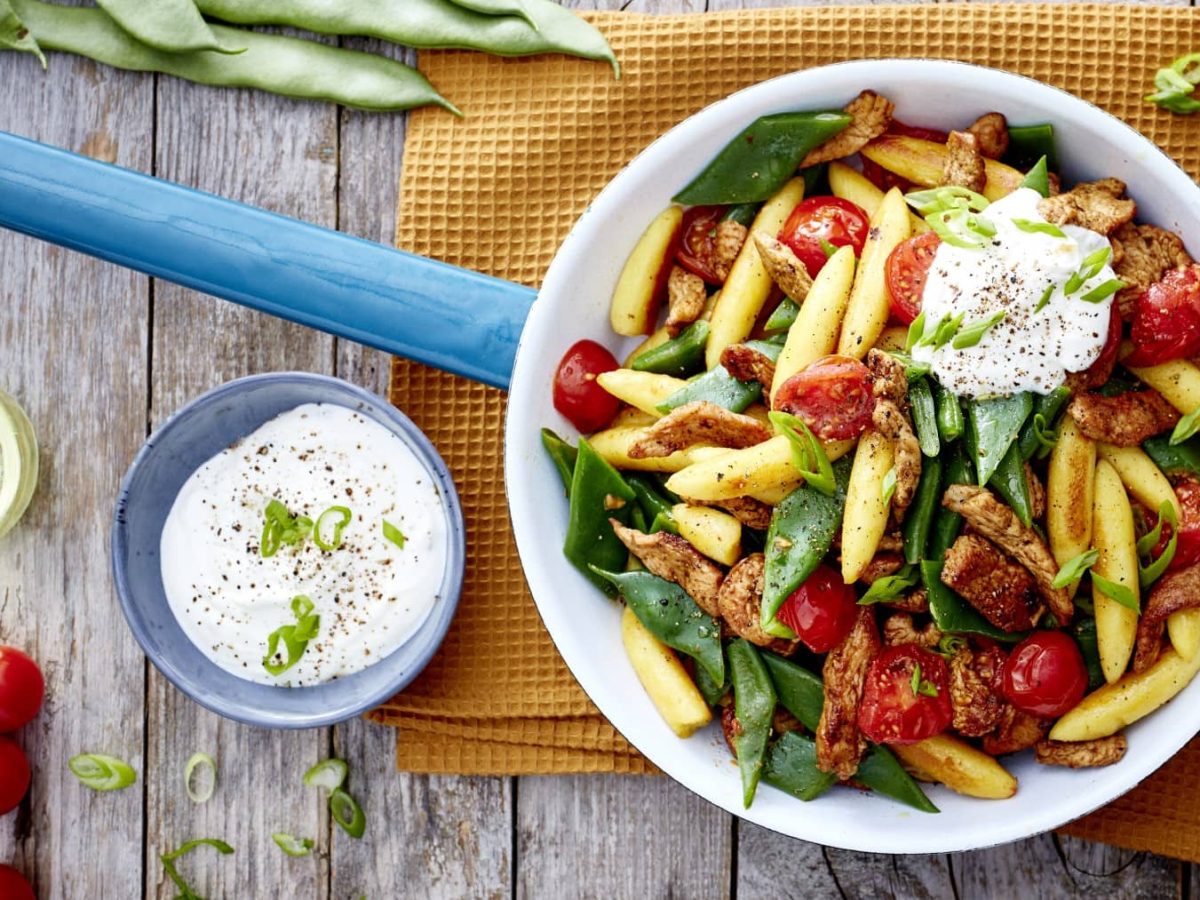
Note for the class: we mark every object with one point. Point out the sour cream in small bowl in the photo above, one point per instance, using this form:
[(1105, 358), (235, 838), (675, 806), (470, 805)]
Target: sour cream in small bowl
[(288, 550)]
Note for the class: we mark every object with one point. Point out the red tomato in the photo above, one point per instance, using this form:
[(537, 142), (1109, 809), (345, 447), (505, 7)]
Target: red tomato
[(13, 885), (576, 393), (829, 219), (1187, 547), (891, 712), (821, 611), (21, 688), (699, 241), (1166, 322), (833, 396), (1045, 674), (1101, 370), (14, 775), (906, 269)]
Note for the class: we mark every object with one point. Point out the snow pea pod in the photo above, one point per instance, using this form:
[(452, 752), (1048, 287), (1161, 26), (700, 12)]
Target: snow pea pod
[(652, 503), (742, 213), (281, 65), (15, 36), (1038, 178), (428, 24), (1029, 143), (949, 414), (174, 26), (1084, 632), (598, 493), (1184, 457), (498, 8), (711, 691), (716, 386), (756, 163), (919, 521), (1011, 483), (951, 613), (1048, 406), (671, 616), (681, 356), (791, 766), (882, 773), (754, 706), (562, 455), (992, 425), (946, 523), (924, 414)]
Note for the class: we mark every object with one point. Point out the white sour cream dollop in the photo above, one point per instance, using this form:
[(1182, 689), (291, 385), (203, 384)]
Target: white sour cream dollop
[(371, 595), (1028, 350)]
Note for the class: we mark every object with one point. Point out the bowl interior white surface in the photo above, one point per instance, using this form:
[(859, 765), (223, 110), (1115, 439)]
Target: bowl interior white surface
[(574, 303)]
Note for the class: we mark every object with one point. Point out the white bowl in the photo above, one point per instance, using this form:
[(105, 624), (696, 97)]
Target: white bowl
[(574, 304)]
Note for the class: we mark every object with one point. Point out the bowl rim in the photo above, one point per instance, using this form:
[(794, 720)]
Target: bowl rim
[(442, 614), (554, 614)]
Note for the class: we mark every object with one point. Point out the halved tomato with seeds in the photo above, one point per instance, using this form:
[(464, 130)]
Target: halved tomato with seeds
[(907, 269), (906, 696), (833, 396)]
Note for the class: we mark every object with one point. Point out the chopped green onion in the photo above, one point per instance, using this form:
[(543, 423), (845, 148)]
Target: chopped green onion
[(1045, 300), (960, 227), (950, 644), (1074, 568), (827, 248), (1103, 291), (889, 485), (295, 638), (1186, 427), (921, 687), (945, 330), (1092, 264), (912, 368), (808, 456), (1150, 573), (916, 677), (342, 515), (1176, 84), (168, 861), (292, 845), (973, 333), (101, 772), (208, 767), (328, 774), (1118, 593), (281, 527), (947, 197), (393, 534), (1046, 437), (1031, 227), (347, 813), (915, 332), (890, 587)]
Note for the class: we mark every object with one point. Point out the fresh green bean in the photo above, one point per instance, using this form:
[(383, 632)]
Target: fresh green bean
[(174, 26), (1038, 178), (711, 691), (1011, 483), (1029, 143), (281, 65), (754, 705), (1048, 406), (949, 414), (882, 772), (428, 24), (716, 386), (681, 356), (952, 613), (924, 414), (992, 425), (499, 8), (742, 213), (649, 499), (784, 316), (1184, 457), (919, 521), (15, 36), (946, 523)]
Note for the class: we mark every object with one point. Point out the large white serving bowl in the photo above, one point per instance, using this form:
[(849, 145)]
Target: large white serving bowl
[(573, 304)]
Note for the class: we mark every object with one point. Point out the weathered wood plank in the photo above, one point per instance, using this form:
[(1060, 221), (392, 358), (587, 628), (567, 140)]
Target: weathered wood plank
[(73, 339)]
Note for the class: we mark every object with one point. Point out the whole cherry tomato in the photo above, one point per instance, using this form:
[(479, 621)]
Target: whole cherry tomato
[(1045, 674), (906, 696), (14, 775), (1166, 321), (833, 396), (906, 271), (821, 611), (21, 688), (699, 242), (577, 395), (824, 220), (13, 885)]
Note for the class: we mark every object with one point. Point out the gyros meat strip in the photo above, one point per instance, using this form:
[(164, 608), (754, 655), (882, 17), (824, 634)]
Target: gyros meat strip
[(1037, 493), (881, 566), (686, 297), (1124, 420), (991, 131), (1098, 205), (784, 267), (699, 422), (890, 386), (750, 512), (1003, 591), (1142, 254), (671, 557), (1081, 754), (748, 364), (870, 116), (975, 690), (1000, 525), (739, 603), (1173, 592), (730, 237), (898, 629), (840, 746), (916, 601), (964, 165), (1017, 731)]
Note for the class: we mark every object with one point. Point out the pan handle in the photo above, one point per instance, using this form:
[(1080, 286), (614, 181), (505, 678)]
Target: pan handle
[(441, 315)]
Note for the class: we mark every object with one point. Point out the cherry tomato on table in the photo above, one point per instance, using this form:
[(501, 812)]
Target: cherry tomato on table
[(698, 245), (13, 885), (21, 688), (833, 396), (831, 220), (906, 270), (1045, 675), (577, 395), (892, 712), (14, 775), (1166, 322), (821, 611)]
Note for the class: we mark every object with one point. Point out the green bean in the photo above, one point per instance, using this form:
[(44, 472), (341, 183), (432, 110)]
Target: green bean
[(428, 24), (681, 356), (784, 316), (716, 386), (742, 213), (754, 705), (15, 36), (919, 521), (175, 26), (949, 414), (281, 65), (924, 415), (1011, 483), (499, 8)]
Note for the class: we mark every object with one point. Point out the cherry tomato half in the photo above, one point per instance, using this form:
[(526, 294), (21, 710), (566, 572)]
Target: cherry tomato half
[(13, 885), (699, 242), (21, 688), (1187, 547), (891, 712), (829, 219), (1045, 674), (577, 395), (821, 611), (14, 775), (906, 271), (1166, 322), (833, 396)]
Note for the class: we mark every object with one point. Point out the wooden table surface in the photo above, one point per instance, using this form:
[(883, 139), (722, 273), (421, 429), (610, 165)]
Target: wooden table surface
[(99, 356)]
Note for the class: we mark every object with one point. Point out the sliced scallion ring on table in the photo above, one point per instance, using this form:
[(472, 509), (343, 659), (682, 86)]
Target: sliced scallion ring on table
[(347, 813), (292, 845), (200, 777), (168, 861), (101, 772), (336, 518), (329, 774)]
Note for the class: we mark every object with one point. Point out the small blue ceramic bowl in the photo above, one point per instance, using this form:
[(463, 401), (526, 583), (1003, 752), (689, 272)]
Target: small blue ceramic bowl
[(199, 431)]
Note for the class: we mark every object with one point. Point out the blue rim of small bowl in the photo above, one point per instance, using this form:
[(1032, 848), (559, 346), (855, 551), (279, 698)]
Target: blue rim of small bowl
[(452, 582)]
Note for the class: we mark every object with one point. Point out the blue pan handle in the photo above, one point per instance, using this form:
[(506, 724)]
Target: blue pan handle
[(434, 313)]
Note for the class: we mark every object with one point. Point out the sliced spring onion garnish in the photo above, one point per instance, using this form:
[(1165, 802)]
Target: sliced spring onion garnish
[(828, 248), (939, 199), (168, 861), (101, 772), (200, 786), (1047, 437), (912, 368), (889, 485), (347, 813), (1073, 569), (292, 845), (1118, 593), (1186, 427), (394, 534), (808, 456), (920, 687), (281, 527), (336, 518), (915, 332), (972, 334), (950, 644), (1092, 264), (1045, 299), (960, 227), (328, 774), (943, 332), (890, 586), (1151, 572), (1176, 84), (1104, 291), (1031, 227), (295, 638)]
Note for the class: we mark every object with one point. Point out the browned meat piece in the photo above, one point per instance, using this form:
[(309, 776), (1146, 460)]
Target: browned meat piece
[(1000, 525), (1124, 420), (731, 728), (898, 629), (1097, 205), (747, 364), (1017, 731), (750, 512), (1037, 492), (671, 557), (1004, 593), (739, 603), (686, 297), (913, 602), (870, 116), (891, 418), (892, 542), (728, 244), (1173, 592), (975, 690), (888, 378), (783, 266), (991, 130), (699, 422), (840, 746), (964, 164), (1081, 754), (783, 721), (881, 566), (1142, 254)]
